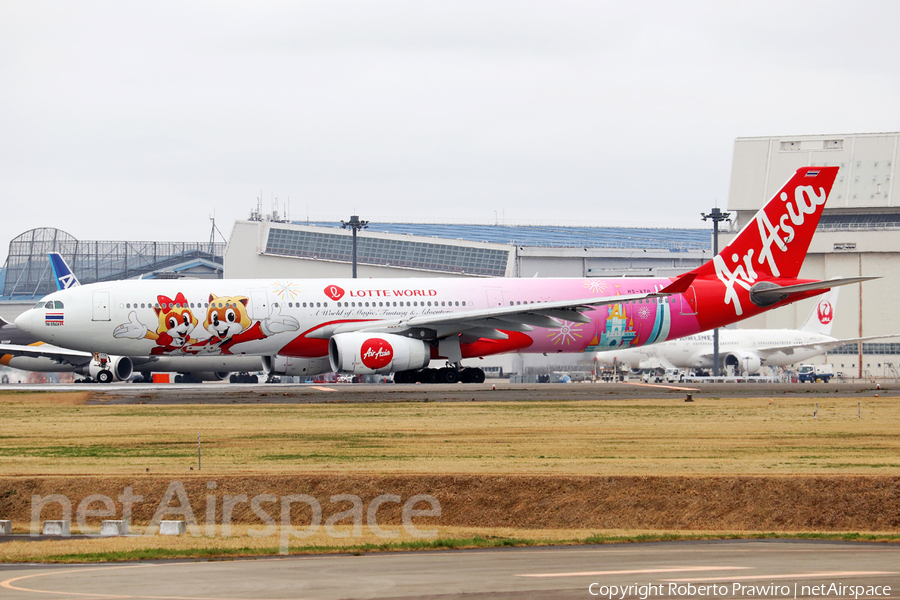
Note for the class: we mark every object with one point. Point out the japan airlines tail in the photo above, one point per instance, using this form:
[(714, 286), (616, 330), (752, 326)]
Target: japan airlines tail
[(364, 326), (746, 350)]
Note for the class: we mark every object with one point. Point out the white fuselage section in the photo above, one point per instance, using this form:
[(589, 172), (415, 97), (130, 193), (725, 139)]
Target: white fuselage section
[(696, 351)]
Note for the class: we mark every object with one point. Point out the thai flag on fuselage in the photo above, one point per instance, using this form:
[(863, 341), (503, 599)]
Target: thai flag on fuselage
[(54, 319)]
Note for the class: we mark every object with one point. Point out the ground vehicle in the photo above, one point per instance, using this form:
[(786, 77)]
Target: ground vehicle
[(813, 373), (660, 375)]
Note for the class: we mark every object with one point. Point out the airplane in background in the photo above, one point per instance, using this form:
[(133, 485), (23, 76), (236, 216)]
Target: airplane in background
[(744, 350), (21, 350), (366, 326)]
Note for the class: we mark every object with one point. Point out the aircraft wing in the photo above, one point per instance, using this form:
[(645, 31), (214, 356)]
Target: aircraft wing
[(487, 322), (824, 346), (789, 349), (41, 350)]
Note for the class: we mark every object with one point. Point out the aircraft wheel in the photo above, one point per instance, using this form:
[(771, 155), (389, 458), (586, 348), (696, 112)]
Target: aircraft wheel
[(254, 379), (104, 376), (428, 376), (405, 377), (472, 375), (448, 375)]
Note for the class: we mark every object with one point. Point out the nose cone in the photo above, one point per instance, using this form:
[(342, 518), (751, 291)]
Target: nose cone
[(25, 322)]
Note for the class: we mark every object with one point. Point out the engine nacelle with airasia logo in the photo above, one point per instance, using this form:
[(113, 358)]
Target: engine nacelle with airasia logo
[(367, 353), (120, 367), (294, 366), (743, 361)]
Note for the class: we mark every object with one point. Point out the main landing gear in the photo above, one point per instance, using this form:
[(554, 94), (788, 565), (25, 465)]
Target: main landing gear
[(444, 375)]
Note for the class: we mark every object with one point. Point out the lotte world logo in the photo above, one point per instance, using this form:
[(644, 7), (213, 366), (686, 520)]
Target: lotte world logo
[(334, 292)]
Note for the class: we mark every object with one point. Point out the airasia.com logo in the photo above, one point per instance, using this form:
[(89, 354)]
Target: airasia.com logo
[(376, 353), (334, 292), (826, 312)]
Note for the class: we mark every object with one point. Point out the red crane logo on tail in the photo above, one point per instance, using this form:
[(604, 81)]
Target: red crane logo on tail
[(826, 312)]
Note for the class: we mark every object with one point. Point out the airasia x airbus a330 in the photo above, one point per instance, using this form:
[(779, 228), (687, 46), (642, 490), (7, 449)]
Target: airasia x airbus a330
[(363, 326)]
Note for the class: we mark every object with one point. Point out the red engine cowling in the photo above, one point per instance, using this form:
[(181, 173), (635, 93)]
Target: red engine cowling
[(366, 353)]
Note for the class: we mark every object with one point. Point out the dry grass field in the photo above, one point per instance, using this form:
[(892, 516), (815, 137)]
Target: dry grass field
[(53, 435), (504, 472)]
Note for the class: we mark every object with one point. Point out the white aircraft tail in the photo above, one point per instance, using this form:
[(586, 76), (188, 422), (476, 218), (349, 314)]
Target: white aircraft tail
[(822, 315)]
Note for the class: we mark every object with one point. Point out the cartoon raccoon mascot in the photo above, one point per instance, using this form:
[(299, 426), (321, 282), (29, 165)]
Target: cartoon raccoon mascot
[(228, 323), (173, 332)]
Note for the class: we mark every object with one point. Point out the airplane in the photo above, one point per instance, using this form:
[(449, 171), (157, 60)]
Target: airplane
[(367, 326), (21, 350), (744, 350)]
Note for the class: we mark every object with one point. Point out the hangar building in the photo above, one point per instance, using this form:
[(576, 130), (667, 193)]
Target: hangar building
[(262, 247), (859, 234), (26, 275)]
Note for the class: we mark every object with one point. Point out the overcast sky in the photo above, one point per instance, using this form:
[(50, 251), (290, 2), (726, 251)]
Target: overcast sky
[(138, 120)]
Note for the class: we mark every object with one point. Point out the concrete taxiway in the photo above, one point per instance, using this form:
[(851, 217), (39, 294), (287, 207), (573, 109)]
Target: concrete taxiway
[(785, 568), (491, 391)]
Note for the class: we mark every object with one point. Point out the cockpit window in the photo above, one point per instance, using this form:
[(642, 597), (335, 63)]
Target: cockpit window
[(58, 304), (49, 305), (39, 305)]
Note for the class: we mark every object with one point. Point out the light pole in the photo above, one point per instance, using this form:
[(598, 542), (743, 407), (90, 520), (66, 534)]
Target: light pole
[(355, 224), (715, 216)]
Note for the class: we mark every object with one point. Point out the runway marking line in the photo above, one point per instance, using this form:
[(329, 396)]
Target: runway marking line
[(322, 389), (635, 572), (791, 576), (664, 387), (8, 584)]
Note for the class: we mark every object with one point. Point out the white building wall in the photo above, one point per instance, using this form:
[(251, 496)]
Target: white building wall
[(864, 186), (760, 166)]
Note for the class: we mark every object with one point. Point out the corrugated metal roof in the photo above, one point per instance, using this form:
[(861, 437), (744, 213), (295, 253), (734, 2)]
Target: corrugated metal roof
[(553, 236)]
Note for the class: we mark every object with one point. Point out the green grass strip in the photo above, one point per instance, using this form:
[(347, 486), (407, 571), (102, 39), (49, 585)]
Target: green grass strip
[(439, 544)]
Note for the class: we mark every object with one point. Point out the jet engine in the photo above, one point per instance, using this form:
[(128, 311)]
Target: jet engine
[(743, 361), (366, 353), (292, 365), (119, 368)]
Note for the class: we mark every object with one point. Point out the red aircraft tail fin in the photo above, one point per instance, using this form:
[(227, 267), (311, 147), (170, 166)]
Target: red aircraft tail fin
[(775, 242)]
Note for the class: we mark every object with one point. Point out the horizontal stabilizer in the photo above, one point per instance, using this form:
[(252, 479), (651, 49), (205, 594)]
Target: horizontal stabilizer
[(826, 284)]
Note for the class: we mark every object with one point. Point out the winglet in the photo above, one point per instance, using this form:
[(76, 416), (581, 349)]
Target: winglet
[(679, 286)]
